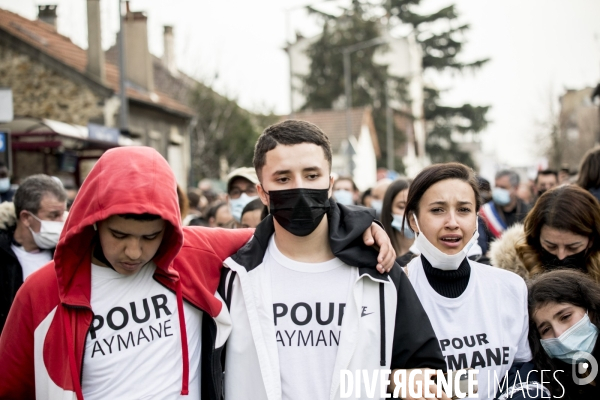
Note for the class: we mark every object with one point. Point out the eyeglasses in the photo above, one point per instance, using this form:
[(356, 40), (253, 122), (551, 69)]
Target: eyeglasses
[(235, 193)]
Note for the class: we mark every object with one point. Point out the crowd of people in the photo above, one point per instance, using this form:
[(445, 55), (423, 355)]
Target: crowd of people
[(147, 290)]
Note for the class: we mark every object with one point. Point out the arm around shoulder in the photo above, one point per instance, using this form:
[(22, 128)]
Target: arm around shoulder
[(415, 343)]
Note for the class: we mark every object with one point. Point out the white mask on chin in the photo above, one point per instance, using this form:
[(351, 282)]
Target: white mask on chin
[(438, 258)]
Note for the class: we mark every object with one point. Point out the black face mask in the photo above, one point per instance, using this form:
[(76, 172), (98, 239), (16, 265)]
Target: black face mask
[(299, 211), (574, 261)]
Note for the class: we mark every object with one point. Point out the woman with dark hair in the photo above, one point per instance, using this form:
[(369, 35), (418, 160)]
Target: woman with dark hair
[(564, 307), (253, 213), (479, 313), (561, 231), (392, 215), (589, 172)]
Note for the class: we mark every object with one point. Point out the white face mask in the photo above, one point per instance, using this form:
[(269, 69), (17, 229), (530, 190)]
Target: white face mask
[(377, 205), (47, 237), (4, 185), (237, 205), (438, 258)]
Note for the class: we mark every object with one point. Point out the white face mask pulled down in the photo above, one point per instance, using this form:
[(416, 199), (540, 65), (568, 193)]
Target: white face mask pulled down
[(47, 237), (439, 259)]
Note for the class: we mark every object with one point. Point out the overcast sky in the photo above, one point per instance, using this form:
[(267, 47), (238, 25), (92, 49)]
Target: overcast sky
[(537, 49)]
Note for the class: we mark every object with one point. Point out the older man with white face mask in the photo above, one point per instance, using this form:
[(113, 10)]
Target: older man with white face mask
[(40, 204)]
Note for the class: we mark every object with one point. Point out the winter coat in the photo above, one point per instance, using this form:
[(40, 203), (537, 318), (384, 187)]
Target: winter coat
[(503, 251), (11, 273), (400, 337)]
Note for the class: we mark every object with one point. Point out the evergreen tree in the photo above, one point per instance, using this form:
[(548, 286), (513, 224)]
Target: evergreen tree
[(441, 48), (324, 86)]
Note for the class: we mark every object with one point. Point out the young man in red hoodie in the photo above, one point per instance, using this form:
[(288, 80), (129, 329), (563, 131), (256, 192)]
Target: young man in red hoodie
[(107, 318)]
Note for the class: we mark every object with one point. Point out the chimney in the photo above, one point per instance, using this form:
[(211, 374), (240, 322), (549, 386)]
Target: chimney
[(95, 54), (47, 14), (138, 58), (168, 57)]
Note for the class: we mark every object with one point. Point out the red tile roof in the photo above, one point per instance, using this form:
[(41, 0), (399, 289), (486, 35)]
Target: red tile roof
[(45, 38)]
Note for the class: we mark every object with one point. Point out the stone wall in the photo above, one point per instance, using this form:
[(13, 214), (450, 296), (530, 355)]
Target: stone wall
[(41, 92)]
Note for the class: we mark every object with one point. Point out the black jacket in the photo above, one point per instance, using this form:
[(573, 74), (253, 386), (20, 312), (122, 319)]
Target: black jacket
[(414, 344), (11, 274)]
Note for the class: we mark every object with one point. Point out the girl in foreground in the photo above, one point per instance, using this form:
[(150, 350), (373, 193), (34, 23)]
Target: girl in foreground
[(564, 306)]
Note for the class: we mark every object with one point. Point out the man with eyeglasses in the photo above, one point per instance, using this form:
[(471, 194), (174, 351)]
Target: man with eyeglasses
[(40, 204), (241, 190)]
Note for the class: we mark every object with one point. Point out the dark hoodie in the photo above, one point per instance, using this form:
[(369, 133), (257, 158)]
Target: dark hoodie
[(41, 347)]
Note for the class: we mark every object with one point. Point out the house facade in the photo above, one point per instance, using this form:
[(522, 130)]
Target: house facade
[(66, 99), (355, 150)]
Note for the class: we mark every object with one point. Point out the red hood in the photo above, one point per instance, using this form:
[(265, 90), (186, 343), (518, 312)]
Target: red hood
[(125, 180)]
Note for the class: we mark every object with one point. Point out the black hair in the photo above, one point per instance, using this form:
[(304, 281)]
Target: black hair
[(254, 205), (212, 211), (386, 209), (559, 286), (546, 172), (199, 222), (365, 194), (483, 184), (140, 217), (288, 133), (193, 198)]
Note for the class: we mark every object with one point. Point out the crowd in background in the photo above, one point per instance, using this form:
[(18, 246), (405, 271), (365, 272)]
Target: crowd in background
[(546, 230)]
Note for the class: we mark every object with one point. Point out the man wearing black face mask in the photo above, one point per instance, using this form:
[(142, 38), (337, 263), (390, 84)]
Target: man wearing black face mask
[(305, 277)]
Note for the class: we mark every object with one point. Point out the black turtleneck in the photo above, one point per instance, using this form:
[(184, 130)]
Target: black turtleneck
[(448, 283)]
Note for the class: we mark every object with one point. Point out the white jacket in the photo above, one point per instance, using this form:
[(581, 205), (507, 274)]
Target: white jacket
[(400, 336)]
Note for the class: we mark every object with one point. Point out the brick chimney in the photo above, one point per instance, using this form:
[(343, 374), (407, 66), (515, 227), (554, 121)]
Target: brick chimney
[(138, 58), (47, 14), (95, 54), (168, 57)]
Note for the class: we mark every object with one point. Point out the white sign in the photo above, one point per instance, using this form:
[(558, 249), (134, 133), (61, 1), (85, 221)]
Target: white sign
[(6, 105)]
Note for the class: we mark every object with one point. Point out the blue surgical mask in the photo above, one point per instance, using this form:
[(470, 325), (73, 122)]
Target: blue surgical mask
[(4, 185), (377, 205), (343, 197), (237, 205), (501, 196), (581, 337), (405, 231)]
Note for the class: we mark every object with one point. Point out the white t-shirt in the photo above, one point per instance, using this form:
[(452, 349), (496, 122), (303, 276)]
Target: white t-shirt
[(133, 349), (485, 328), (308, 306), (31, 261)]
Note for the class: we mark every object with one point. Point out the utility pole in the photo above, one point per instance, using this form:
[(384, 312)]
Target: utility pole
[(348, 88), (389, 127), (124, 110), (346, 51)]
